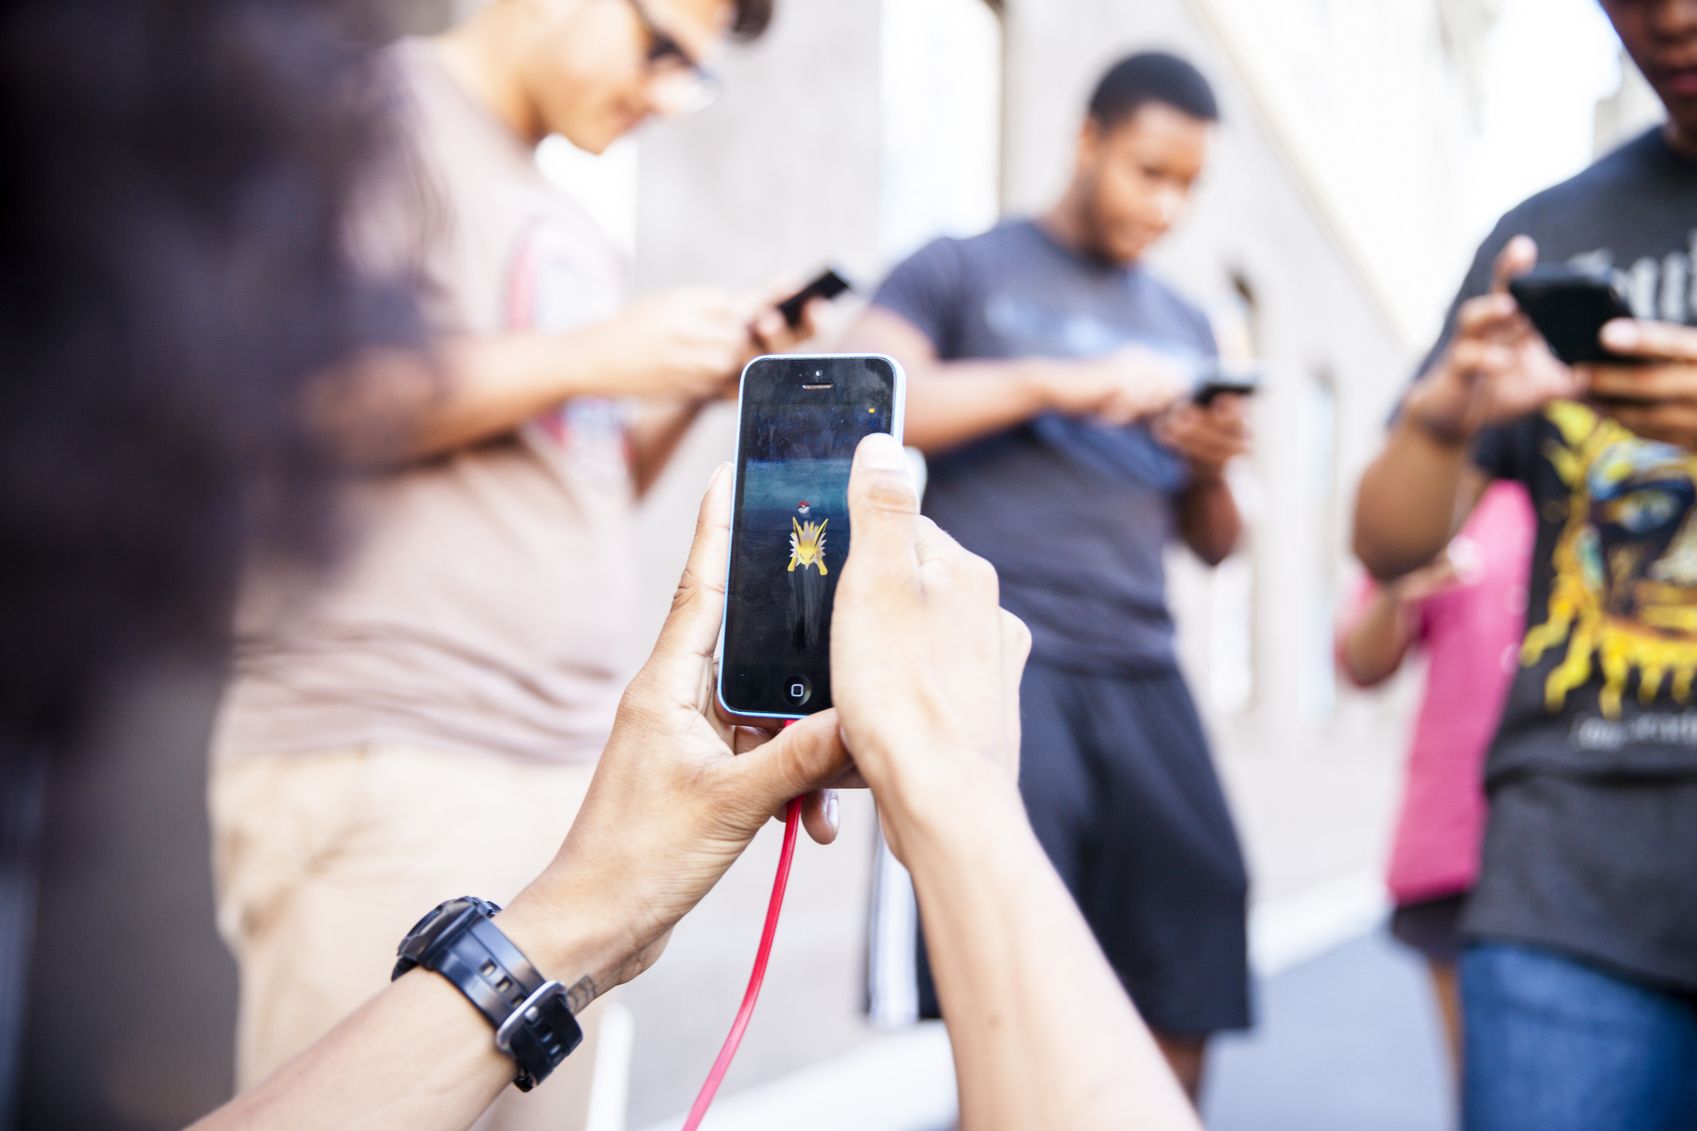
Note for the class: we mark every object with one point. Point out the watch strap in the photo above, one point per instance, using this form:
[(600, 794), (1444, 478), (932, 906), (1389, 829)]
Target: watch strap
[(532, 1022)]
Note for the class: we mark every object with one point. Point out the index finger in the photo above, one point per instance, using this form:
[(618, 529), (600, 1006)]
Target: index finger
[(1517, 257)]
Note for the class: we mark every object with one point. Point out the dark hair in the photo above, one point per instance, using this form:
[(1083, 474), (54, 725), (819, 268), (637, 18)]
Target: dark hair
[(1152, 76), (751, 19), (173, 276)]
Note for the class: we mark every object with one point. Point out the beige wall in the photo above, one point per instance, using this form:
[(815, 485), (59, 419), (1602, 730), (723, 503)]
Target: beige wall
[(762, 185)]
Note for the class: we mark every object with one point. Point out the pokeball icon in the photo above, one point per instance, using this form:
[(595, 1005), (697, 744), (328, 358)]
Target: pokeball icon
[(803, 509)]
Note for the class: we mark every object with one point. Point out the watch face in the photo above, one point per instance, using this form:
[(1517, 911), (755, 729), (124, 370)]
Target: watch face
[(430, 916)]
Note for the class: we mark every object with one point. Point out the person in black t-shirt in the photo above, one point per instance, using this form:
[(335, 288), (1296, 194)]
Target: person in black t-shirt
[(1579, 985)]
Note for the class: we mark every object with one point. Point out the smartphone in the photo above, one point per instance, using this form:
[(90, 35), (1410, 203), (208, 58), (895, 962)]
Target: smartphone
[(800, 420), (828, 285), (1214, 378), (1570, 307)]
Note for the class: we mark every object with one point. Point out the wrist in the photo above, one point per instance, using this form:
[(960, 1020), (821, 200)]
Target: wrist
[(962, 832), (1035, 382), (1207, 476), (951, 803), (1435, 410), (572, 941)]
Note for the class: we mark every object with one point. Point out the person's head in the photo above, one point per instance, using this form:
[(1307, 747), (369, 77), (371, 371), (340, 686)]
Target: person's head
[(1140, 152), (1661, 37), (593, 70)]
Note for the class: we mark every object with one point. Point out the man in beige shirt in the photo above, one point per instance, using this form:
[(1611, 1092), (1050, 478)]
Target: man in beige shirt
[(425, 724)]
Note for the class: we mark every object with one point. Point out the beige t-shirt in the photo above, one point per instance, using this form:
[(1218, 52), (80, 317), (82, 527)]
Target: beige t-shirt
[(482, 605)]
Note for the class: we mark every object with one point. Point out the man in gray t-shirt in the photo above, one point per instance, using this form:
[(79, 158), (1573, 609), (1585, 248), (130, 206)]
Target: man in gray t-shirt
[(1051, 373)]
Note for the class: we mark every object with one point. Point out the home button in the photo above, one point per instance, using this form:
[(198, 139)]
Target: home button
[(798, 689)]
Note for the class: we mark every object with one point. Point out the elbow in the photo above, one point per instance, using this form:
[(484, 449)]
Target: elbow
[(1360, 679), (1214, 556), (1374, 544), (1380, 557)]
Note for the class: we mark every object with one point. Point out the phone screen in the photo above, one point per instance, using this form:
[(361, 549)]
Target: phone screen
[(801, 420)]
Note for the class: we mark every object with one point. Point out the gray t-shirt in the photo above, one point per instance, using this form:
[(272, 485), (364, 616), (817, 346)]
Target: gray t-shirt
[(1074, 515), (1591, 846)]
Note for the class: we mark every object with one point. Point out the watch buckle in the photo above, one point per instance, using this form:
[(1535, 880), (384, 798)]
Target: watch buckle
[(522, 1012)]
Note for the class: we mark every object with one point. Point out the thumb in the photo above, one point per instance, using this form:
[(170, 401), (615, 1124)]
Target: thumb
[(883, 513), (692, 627), (802, 757)]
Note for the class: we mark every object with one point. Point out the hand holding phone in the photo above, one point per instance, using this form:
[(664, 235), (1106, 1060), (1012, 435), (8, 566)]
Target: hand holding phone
[(1495, 367), (828, 285), (1655, 395), (1570, 307), (1215, 378), (801, 418)]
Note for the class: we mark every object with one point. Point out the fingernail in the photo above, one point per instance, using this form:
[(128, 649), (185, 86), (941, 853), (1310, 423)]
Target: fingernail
[(719, 473), (832, 817), (1621, 334), (883, 452)]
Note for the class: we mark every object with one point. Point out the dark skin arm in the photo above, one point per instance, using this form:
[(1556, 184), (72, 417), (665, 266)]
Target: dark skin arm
[(1209, 438), (980, 398), (1422, 486), (1375, 644)]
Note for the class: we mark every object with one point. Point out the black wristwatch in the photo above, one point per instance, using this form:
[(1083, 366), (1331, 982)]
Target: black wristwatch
[(532, 1024)]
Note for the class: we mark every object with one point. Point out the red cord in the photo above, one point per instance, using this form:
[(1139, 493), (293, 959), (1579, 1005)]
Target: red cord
[(704, 1099)]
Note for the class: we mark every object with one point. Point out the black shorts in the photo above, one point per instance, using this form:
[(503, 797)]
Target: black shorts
[(1122, 793)]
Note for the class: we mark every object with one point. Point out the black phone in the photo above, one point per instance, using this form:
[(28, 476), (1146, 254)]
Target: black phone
[(801, 418), (1570, 307), (828, 285), (1214, 378)]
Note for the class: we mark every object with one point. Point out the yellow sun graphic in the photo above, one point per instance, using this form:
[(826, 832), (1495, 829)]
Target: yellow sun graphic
[(807, 546), (1624, 595)]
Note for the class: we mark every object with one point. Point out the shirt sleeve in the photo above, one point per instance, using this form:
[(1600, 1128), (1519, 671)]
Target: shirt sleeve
[(400, 225), (927, 290)]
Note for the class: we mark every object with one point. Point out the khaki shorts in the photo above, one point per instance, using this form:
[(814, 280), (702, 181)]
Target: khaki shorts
[(323, 860)]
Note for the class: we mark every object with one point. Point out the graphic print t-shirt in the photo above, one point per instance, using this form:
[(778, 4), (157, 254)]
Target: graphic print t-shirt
[(1591, 848), (1074, 515), (483, 604)]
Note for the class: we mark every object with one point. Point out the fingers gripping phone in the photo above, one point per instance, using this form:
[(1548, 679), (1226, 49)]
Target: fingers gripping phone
[(801, 418), (1570, 307), (827, 286), (1214, 379)]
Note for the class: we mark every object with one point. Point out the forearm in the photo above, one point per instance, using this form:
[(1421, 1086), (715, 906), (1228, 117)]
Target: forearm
[(489, 385), (418, 1056), (1043, 1033), (1209, 520), (1412, 499), (1374, 645), (954, 403)]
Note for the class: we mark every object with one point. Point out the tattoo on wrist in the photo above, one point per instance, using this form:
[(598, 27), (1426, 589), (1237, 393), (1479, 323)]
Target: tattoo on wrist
[(583, 992)]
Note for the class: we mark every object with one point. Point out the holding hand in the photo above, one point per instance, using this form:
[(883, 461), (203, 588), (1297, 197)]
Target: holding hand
[(925, 665), (678, 793), (1122, 388), (1657, 400), (1208, 436), (1497, 366), (683, 343)]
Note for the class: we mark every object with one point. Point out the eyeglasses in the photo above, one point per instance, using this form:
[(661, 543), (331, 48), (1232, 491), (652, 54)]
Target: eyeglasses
[(682, 85)]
